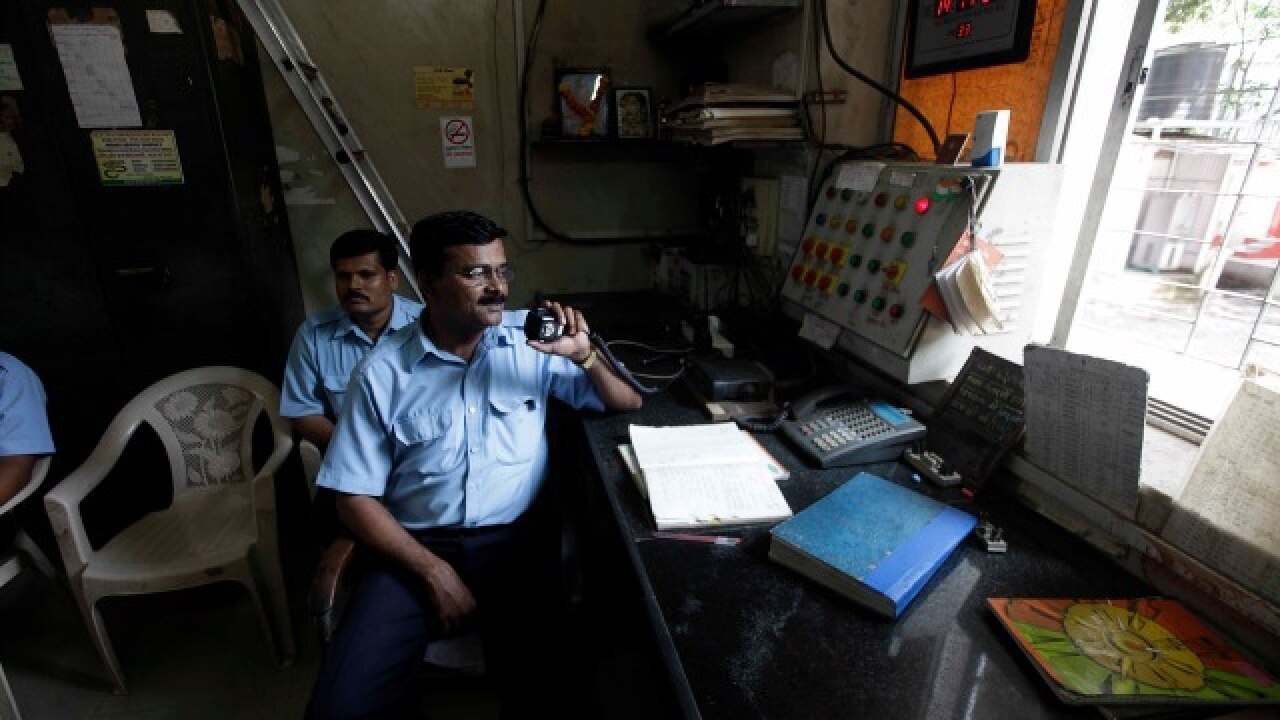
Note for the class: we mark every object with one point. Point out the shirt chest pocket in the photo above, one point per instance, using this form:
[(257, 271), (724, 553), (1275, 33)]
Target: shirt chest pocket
[(514, 428), (424, 443), (335, 392)]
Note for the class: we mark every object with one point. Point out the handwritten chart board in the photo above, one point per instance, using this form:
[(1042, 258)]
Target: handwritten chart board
[(980, 418), (1085, 419)]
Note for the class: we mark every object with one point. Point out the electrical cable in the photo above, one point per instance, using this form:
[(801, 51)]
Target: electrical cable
[(765, 425), (951, 104), (901, 101), (620, 368)]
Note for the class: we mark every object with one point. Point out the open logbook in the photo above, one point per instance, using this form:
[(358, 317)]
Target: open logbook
[(705, 475)]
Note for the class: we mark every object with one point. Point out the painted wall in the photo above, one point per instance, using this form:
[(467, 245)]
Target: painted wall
[(367, 52)]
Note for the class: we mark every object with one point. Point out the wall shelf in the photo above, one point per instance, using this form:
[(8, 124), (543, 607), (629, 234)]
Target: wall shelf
[(713, 17)]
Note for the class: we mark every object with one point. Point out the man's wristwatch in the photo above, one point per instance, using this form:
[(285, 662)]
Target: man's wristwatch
[(591, 360)]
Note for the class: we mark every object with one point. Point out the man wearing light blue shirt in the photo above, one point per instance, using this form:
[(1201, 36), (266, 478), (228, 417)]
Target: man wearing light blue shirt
[(437, 460), (24, 427), (329, 345)]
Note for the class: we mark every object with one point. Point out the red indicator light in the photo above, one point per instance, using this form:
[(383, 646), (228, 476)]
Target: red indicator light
[(922, 205), (895, 311)]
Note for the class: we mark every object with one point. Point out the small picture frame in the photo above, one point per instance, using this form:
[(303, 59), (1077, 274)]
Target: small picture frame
[(582, 102), (633, 107)]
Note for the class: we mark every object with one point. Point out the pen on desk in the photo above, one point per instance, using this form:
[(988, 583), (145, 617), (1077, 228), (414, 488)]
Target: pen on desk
[(689, 537)]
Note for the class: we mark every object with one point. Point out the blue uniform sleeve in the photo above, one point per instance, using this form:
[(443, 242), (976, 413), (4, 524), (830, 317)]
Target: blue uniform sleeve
[(301, 392), (24, 427), (570, 384), (358, 461)]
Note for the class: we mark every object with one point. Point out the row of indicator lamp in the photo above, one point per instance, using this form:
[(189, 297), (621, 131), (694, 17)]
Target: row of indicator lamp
[(945, 189), (826, 283), (812, 246), (893, 271)]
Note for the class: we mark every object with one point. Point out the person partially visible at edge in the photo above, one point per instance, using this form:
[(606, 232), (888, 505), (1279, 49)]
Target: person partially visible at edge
[(24, 426), (438, 459), (329, 344)]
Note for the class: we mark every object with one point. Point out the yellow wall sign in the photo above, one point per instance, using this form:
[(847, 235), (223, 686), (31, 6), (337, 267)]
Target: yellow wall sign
[(435, 86), (137, 157)]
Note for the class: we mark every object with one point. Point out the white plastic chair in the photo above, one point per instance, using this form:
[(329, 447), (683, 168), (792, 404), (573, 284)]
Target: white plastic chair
[(311, 458), (221, 524), (11, 565)]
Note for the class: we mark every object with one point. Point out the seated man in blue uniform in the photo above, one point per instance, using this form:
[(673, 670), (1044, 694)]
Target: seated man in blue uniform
[(329, 345), (438, 458), (24, 428)]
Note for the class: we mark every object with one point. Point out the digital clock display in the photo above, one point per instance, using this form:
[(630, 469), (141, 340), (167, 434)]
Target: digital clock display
[(945, 36)]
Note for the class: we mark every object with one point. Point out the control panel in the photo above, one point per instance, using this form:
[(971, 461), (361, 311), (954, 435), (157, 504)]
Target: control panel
[(876, 236)]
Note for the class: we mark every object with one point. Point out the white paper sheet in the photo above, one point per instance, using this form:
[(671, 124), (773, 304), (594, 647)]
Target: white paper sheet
[(819, 331), (1229, 513), (1085, 420), (703, 495), (97, 75), (859, 177), (706, 444)]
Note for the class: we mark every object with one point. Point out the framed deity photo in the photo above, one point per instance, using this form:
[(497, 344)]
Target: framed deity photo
[(582, 101), (634, 111)]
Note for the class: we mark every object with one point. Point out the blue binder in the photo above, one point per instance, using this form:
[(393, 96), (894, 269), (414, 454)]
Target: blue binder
[(871, 540)]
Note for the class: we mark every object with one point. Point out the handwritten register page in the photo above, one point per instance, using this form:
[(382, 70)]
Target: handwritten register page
[(1085, 418)]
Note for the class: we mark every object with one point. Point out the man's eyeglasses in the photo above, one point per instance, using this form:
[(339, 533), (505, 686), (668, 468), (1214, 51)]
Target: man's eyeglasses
[(477, 274)]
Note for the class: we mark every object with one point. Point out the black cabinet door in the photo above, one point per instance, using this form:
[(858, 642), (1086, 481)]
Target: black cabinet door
[(106, 288)]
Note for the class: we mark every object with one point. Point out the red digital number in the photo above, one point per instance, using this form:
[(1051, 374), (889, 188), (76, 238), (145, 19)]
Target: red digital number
[(941, 7), (964, 30)]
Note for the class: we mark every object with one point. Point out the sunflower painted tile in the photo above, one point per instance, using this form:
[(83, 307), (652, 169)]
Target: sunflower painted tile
[(1143, 650)]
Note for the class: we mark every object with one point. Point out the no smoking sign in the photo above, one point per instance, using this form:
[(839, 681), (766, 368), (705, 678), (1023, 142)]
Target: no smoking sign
[(457, 142)]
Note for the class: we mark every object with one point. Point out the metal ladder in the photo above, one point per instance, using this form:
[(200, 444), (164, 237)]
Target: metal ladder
[(277, 34)]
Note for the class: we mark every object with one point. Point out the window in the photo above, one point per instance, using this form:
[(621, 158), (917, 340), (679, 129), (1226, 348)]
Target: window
[(1182, 278)]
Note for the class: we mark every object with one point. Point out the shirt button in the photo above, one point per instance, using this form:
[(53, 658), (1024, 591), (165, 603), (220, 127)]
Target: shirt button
[(473, 451), (472, 409)]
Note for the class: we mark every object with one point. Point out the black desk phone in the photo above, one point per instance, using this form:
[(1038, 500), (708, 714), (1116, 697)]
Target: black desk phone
[(833, 427)]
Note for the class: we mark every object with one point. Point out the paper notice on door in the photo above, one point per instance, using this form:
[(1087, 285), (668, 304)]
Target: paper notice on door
[(97, 75), (137, 157), (9, 77)]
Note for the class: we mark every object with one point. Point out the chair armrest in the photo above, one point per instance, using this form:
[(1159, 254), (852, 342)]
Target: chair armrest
[(62, 504), (311, 458), (326, 582), (264, 495)]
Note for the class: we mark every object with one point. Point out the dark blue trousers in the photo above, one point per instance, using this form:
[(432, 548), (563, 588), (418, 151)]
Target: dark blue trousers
[(374, 656)]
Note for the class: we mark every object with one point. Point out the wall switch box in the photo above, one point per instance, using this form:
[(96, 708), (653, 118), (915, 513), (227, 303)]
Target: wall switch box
[(758, 214)]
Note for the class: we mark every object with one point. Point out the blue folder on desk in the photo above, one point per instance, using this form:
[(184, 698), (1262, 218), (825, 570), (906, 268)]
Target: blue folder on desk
[(871, 540)]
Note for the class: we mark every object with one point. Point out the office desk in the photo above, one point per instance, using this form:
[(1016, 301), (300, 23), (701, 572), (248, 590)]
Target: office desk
[(744, 637)]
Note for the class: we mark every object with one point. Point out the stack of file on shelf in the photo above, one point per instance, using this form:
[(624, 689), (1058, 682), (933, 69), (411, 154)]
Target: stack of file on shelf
[(720, 113), (705, 475)]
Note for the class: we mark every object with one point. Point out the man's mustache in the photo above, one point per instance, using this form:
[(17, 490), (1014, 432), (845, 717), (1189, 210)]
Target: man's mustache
[(357, 296), (498, 299)]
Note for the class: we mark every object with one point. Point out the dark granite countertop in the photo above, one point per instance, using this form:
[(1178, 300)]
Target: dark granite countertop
[(744, 637)]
